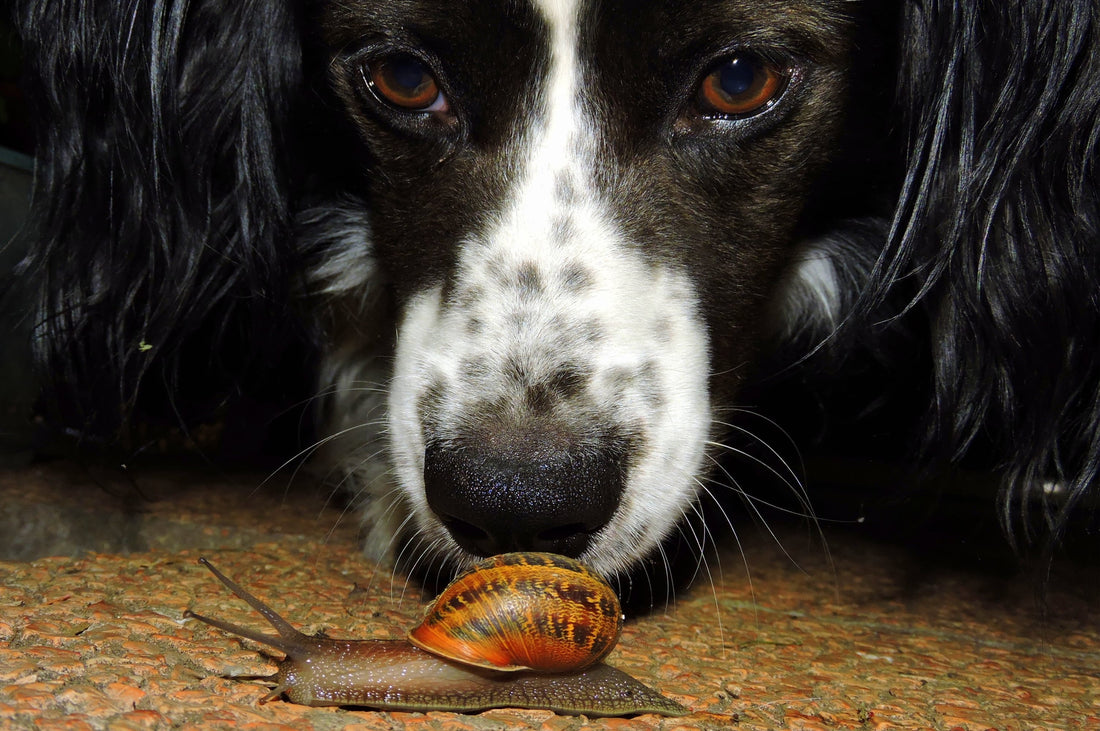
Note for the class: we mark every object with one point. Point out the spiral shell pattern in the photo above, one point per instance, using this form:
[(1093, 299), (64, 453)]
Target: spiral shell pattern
[(523, 611)]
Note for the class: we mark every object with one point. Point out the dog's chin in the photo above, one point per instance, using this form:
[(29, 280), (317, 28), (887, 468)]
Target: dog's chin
[(431, 549), (649, 581)]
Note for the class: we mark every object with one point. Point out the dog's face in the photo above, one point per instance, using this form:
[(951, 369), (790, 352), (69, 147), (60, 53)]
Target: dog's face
[(585, 209)]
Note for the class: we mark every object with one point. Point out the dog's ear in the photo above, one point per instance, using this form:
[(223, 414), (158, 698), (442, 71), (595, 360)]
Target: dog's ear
[(998, 223), (160, 213)]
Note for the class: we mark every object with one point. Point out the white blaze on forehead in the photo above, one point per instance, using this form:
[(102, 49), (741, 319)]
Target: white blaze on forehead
[(558, 139), (556, 156), (530, 291)]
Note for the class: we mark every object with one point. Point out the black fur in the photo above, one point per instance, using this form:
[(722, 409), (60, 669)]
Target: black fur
[(162, 192), (178, 139), (996, 229)]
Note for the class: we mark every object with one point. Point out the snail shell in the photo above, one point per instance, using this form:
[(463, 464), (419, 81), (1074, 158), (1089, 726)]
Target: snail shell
[(523, 611)]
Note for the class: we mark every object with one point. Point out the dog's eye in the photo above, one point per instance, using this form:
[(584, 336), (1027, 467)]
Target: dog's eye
[(740, 87), (406, 83)]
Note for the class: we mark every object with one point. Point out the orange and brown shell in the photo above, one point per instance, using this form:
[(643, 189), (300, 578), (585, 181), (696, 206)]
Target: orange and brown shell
[(523, 611)]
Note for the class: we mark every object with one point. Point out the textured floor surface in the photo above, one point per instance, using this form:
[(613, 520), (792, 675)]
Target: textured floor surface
[(880, 640)]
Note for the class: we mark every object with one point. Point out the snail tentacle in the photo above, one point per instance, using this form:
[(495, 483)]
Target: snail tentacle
[(286, 630)]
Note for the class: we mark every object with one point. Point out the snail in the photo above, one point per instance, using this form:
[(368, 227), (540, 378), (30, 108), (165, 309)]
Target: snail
[(520, 630)]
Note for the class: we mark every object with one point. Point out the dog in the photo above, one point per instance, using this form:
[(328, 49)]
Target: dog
[(544, 249)]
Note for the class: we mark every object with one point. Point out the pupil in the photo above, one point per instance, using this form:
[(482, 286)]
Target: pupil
[(407, 73), (737, 76)]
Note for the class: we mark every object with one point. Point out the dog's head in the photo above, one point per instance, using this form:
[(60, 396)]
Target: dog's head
[(585, 210)]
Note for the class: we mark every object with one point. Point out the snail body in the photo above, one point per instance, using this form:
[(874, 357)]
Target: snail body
[(398, 675)]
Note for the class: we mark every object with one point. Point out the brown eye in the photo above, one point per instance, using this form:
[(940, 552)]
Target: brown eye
[(740, 87), (406, 83)]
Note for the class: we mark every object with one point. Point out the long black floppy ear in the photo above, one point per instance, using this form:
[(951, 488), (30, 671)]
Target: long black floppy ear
[(998, 229), (163, 184)]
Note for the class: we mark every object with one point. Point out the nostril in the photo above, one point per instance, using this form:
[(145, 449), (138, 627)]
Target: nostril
[(468, 535), (568, 539), (564, 532), (524, 497)]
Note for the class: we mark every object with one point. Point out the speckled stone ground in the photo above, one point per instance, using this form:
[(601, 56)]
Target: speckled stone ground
[(877, 640)]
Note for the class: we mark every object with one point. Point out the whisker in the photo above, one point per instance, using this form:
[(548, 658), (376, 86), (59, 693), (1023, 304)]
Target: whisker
[(737, 540), (308, 451), (696, 508), (793, 483), (759, 516)]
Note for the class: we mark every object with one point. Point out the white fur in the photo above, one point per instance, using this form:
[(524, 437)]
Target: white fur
[(823, 278)]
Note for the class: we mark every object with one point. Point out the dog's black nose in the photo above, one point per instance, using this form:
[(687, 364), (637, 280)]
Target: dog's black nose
[(525, 496)]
